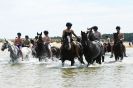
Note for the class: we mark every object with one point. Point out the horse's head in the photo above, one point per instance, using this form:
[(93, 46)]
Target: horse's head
[(67, 42), (39, 37), (84, 38), (39, 34), (5, 45)]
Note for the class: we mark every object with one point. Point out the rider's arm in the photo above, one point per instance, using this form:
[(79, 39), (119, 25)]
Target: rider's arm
[(15, 42), (63, 34), (121, 36), (100, 36), (74, 34), (48, 40)]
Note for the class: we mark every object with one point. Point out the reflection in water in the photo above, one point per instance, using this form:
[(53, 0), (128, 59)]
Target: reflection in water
[(68, 73), (73, 77)]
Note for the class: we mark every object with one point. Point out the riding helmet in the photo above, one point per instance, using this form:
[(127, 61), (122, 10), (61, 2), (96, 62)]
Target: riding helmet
[(95, 27), (68, 24), (27, 37), (118, 27), (45, 32), (19, 34)]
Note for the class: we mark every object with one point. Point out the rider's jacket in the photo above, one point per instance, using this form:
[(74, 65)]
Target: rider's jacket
[(118, 37)]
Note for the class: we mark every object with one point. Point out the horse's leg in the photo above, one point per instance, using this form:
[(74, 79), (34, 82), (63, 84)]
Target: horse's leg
[(121, 57), (81, 60), (63, 61), (100, 59), (116, 57), (72, 62), (103, 58), (88, 60), (40, 58)]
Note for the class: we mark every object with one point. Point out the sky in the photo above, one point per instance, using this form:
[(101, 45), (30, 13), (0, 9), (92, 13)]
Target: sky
[(32, 16)]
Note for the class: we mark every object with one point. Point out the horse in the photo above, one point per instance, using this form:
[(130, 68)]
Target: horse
[(26, 51), (118, 50), (92, 50), (55, 52), (68, 51), (107, 47), (15, 51), (41, 49)]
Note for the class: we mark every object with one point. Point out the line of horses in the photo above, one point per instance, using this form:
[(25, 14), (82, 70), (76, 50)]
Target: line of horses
[(93, 51)]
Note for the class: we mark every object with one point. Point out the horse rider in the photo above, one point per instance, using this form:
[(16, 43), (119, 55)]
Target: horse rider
[(96, 33), (107, 40), (118, 37), (18, 43), (69, 32), (47, 41), (90, 34), (26, 42), (107, 44)]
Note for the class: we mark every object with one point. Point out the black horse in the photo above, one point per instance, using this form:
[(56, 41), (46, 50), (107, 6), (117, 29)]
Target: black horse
[(93, 51), (68, 51), (41, 49)]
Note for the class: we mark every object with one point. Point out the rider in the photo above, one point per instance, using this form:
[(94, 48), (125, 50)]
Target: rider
[(26, 42), (90, 34), (69, 32), (118, 37), (18, 43), (47, 41), (97, 34), (107, 40)]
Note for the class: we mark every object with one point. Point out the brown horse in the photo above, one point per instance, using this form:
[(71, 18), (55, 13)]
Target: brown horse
[(107, 47), (68, 51), (118, 50), (55, 51)]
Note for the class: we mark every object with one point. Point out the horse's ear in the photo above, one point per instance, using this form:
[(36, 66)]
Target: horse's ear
[(41, 33), (6, 41), (37, 33)]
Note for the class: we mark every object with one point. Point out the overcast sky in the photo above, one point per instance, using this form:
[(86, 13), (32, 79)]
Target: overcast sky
[(31, 16)]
